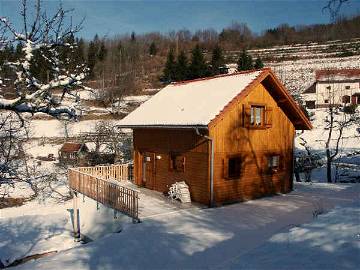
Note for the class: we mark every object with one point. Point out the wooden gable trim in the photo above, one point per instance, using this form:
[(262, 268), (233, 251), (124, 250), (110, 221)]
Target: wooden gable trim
[(287, 98), (291, 100), (240, 96)]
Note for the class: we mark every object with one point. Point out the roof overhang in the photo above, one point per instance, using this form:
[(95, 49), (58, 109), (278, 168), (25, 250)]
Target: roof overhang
[(279, 93), (286, 102), (164, 126)]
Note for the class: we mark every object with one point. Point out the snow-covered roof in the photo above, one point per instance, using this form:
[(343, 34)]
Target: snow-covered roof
[(337, 75), (70, 147), (193, 103)]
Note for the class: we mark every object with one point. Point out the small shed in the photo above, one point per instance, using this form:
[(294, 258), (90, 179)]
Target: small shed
[(73, 153), (228, 137)]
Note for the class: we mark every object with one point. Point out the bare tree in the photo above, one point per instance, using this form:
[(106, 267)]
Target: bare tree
[(41, 38), (11, 135), (334, 6), (337, 121), (45, 36)]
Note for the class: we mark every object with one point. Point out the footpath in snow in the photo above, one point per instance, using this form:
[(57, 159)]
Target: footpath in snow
[(265, 233)]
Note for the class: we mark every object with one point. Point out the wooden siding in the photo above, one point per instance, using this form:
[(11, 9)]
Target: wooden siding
[(158, 144), (253, 145)]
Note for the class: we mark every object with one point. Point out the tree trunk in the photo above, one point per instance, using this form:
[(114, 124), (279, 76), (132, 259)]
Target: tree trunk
[(328, 166)]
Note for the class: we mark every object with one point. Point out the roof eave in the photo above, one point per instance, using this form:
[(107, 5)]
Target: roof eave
[(163, 126)]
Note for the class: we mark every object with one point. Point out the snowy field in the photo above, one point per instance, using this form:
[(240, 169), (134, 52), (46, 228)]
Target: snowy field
[(314, 227), (298, 75)]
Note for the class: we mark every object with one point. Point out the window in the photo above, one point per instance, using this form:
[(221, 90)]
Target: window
[(310, 104), (273, 163), (328, 87), (233, 167), (326, 101), (347, 87), (177, 162), (257, 115), (346, 99)]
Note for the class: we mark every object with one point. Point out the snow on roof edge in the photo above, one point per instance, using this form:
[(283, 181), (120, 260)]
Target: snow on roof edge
[(191, 103)]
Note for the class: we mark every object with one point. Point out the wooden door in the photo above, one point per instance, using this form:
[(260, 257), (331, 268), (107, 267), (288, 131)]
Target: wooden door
[(149, 170)]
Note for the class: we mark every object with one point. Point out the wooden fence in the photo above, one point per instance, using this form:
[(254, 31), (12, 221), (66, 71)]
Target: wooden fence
[(101, 184), (120, 172)]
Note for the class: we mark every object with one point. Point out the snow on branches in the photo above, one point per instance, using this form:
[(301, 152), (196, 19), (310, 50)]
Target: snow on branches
[(42, 66)]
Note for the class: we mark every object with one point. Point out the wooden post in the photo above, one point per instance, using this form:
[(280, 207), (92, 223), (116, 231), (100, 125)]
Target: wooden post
[(76, 217)]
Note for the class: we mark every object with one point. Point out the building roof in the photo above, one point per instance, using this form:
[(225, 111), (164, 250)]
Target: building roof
[(337, 75), (70, 147), (199, 102), (311, 89)]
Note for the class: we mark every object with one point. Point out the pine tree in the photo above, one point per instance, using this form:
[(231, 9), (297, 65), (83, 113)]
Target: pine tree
[(258, 63), (80, 51), (152, 49), (181, 67), (91, 58), (245, 61), (217, 60), (198, 67), (133, 36), (101, 54), (169, 72), (19, 51)]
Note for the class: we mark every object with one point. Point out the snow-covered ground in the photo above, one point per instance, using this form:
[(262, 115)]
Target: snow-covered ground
[(260, 234), (266, 233), (34, 228)]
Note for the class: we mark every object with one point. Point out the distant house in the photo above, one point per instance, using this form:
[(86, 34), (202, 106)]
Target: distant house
[(73, 153), (333, 87), (229, 137)]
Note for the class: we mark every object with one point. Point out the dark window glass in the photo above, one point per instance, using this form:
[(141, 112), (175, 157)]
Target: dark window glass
[(346, 99), (177, 163), (234, 167)]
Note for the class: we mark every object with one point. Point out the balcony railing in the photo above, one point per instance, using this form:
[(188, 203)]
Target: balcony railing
[(103, 184)]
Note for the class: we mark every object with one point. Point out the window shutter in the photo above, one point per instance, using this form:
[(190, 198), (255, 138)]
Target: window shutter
[(180, 163), (246, 115), (268, 117), (171, 162), (226, 168)]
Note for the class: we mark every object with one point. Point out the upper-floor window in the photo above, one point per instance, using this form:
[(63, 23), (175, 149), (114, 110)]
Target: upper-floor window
[(347, 87), (328, 87), (257, 115), (326, 101)]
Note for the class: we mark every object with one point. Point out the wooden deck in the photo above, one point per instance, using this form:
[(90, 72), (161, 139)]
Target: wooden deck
[(103, 184)]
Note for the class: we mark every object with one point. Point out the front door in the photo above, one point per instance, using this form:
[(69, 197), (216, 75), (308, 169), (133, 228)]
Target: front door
[(149, 170)]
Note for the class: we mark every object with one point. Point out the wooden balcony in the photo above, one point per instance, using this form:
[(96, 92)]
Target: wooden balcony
[(104, 185)]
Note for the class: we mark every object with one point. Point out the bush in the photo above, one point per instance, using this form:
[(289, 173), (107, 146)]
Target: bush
[(350, 109)]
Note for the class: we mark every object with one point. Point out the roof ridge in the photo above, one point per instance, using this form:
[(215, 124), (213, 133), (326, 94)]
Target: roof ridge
[(220, 76)]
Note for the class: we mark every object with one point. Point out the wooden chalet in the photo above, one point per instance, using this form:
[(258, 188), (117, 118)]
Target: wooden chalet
[(229, 137), (73, 153)]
